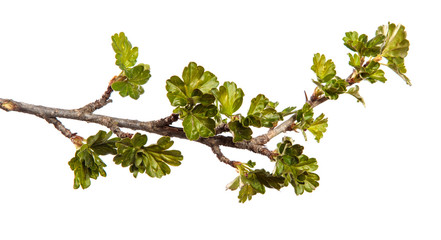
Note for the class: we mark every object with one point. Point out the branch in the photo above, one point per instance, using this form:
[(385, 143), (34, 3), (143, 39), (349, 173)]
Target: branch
[(314, 101), (216, 150), (103, 101), (160, 127)]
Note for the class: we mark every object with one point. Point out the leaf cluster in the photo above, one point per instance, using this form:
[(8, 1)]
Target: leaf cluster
[(154, 160), (132, 77), (295, 167), (389, 42), (327, 81), (305, 121), (201, 104), (252, 182), (87, 163)]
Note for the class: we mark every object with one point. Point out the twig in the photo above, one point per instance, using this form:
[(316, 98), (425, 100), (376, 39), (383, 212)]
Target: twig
[(287, 125), (103, 101), (60, 127), (216, 150)]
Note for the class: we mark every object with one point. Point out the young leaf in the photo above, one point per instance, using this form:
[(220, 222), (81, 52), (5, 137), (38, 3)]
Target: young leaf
[(195, 83), (154, 160), (86, 163), (125, 55), (295, 168), (395, 43), (324, 69), (318, 127), (126, 88), (138, 75), (333, 88), (230, 98), (397, 65), (239, 131), (395, 48), (354, 92), (262, 113), (199, 123), (195, 77)]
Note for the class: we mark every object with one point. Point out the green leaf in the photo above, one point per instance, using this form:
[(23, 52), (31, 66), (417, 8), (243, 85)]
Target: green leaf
[(395, 43), (354, 92), (126, 88), (130, 84), (397, 65), (239, 131), (195, 77), (125, 55), (355, 42), (230, 98), (268, 180), (360, 44), (199, 123), (154, 160), (138, 75), (262, 113), (295, 168), (318, 127), (355, 61), (305, 117), (176, 91), (86, 163), (324, 69), (395, 48), (258, 104), (333, 88), (181, 92)]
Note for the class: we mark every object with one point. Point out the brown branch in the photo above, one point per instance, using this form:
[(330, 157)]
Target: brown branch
[(221, 128), (103, 101), (314, 101), (160, 127), (216, 150), (60, 127)]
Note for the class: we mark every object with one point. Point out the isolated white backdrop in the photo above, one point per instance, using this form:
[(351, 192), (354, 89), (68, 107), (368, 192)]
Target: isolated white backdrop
[(379, 165)]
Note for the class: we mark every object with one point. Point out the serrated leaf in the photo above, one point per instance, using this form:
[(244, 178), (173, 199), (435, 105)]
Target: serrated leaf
[(181, 92), (199, 123), (125, 55), (397, 65), (294, 167), (138, 75), (355, 60), (262, 113), (305, 116), (333, 88), (395, 43), (239, 131), (318, 127), (233, 185), (360, 44), (154, 160), (195, 77), (324, 69), (126, 88), (258, 104), (230, 98), (354, 91)]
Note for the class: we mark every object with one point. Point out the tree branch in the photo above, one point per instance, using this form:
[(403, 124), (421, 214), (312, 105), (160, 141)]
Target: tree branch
[(103, 101), (216, 150), (160, 127)]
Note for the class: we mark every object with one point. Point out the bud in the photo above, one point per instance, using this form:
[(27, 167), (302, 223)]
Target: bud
[(77, 141)]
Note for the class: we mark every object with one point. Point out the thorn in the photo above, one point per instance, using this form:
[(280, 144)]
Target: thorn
[(306, 96)]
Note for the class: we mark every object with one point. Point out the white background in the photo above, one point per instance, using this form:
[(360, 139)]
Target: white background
[(379, 166)]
